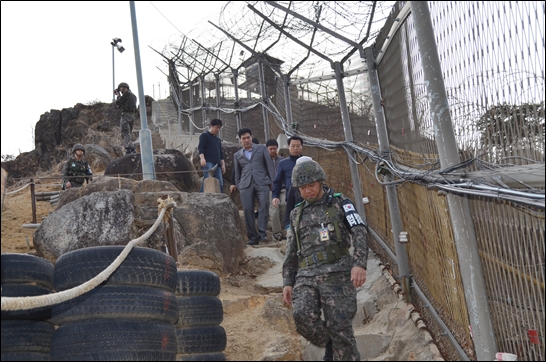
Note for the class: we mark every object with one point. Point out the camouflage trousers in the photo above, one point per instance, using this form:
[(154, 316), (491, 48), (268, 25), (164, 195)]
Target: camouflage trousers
[(126, 125), (335, 294)]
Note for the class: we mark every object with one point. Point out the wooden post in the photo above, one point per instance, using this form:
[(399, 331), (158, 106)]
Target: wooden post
[(4, 178), (171, 242), (33, 201)]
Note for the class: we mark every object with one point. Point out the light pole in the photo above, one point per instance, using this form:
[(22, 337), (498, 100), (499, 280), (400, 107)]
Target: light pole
[(115, 43)]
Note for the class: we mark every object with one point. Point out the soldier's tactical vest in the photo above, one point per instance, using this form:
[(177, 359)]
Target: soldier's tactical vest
[(77, 168), (333, 251)]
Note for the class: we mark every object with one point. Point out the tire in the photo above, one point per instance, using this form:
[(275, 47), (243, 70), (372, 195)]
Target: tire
[(26, 290), (114, 340), (26, 336), (197, 282), (25, 356), (199, 311), (201, 357), (25, 268), (119, 301), (143, 266), (204, 339)]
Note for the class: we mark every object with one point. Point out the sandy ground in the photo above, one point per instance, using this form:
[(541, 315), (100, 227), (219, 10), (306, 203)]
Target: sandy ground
[(248, 333)]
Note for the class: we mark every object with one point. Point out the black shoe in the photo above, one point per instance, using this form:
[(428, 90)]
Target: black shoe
[(328, 352), (253, 242), (256, 214)]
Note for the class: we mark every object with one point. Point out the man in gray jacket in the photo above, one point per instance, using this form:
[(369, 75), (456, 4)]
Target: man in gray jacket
[(253, 177)]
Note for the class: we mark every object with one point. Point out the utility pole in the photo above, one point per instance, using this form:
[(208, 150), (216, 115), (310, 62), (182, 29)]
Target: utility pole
[(145, 136)]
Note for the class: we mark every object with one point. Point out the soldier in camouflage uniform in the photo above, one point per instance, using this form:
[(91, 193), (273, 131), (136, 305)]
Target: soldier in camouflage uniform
[(76, 170), (127, 103), (319, 272)]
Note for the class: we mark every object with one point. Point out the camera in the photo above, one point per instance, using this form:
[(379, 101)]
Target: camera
[(116, 90)]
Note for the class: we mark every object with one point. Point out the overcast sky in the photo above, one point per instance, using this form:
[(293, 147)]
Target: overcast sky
[(58, 54)]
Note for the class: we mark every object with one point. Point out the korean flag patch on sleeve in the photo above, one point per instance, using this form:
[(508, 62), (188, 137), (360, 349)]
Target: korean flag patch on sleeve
[(352, 218)]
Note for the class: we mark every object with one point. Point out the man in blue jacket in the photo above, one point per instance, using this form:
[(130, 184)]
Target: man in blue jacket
[(284, 170)]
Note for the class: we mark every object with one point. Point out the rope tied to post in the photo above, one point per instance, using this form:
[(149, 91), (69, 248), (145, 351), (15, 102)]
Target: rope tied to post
[(22, 303), (166, 203)]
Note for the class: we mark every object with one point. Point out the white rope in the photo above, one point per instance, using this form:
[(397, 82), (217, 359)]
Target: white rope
[(22, 303), (13, 192)]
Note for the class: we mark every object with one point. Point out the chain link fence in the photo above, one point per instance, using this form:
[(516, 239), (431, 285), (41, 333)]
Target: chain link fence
[(492, 57)]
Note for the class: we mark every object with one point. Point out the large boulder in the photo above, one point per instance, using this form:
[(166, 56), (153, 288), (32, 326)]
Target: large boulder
[(169, 165), (92, 216), (100, 183), (68, 196), (213, 219), (102, 218), (97, 157), (202, 256)]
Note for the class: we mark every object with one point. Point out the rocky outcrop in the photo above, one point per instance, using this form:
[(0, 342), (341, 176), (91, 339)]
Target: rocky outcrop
[(202, 256), (58, 130), (112, 211), (169, 165), (97, 157), (213, 219), (102, 218)]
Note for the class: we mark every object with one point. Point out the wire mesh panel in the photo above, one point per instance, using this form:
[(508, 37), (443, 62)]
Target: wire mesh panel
[(512, 250), (492, 57)]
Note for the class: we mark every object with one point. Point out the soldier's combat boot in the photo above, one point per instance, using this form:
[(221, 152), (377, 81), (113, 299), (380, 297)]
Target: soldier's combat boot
[(328, 352)]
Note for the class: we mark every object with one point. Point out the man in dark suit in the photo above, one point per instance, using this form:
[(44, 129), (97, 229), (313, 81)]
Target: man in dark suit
[(253, 177)]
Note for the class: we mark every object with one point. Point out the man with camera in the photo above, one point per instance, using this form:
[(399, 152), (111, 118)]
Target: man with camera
[(126, 101)]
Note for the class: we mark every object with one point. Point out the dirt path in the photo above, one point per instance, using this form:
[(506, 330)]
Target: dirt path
[(257, 325), (248, 333)]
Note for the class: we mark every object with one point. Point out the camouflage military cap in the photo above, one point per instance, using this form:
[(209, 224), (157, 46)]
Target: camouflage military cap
[(123, 84), (307, 172), (78, 146)]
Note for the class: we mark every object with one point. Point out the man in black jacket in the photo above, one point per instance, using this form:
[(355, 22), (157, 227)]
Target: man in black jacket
[(211, 154)]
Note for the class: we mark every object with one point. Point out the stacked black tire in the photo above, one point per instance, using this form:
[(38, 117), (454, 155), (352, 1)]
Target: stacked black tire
[(129, 317), (199, 334), (27, 334)]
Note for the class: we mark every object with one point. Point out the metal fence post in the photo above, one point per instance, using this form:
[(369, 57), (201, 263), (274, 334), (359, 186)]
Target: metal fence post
[(236, 105), (470, 265), (203, 97), (190, 115), (263, 92), (392, 196), (287, 100), (217, 81), (355, 177)]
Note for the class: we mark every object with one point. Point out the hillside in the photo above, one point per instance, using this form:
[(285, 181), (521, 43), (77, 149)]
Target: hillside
[(258, 325)]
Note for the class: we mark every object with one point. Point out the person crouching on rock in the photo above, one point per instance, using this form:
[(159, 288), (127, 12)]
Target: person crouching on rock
[(76, 170)]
